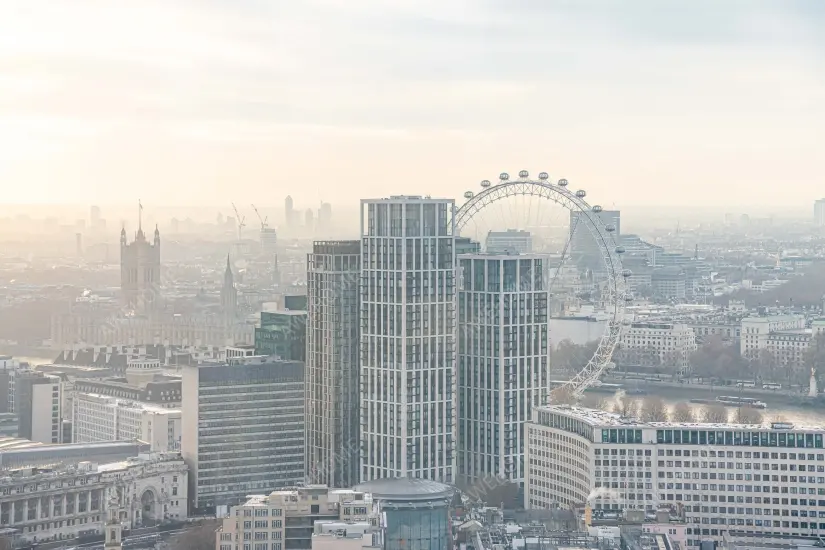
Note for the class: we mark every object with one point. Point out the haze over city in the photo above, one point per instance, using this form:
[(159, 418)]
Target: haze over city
[(188, 102)]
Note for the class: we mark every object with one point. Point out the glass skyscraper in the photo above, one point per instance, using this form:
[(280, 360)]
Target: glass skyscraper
[(407, 338)]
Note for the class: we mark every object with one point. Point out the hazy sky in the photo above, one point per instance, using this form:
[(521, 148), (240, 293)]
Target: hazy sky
[(207, 101)]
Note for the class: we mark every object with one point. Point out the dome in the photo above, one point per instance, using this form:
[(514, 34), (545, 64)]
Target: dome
[(406, 489)]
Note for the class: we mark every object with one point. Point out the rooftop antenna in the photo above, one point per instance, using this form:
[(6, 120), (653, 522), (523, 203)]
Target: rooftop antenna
[(140, 215)]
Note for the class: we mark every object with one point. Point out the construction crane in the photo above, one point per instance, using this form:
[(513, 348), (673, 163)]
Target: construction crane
[(241, 223), (263, 220)]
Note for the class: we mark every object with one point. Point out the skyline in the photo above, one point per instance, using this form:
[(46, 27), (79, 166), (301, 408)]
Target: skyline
[(247, 101)]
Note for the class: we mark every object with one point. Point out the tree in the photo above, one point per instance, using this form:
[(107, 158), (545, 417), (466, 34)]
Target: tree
[(682, 412), (200, 537), (563, 395), (6, 543), (746, 415), (716, 414), (815, 354), (652, 409), (626, 406)]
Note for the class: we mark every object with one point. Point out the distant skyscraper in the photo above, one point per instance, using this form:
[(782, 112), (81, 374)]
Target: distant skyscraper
[(332, 381), (309, 220), (140, 271), (95, 221), (502, 361), (229, 292), (407, 338), (819, 213), (325, 216), (583, 246), (289, 211)]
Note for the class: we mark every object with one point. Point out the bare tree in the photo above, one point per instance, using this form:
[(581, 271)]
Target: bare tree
[(605, 405), (201, 537), (6, 543), (715, 414), (626, 406), (746, 415), (652, 409), (562, 396), (682, 412)]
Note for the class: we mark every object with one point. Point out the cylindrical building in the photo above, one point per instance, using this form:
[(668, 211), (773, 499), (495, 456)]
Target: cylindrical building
[(414, 512)]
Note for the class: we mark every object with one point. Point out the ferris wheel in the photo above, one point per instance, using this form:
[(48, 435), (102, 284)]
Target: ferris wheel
[(525, 199)]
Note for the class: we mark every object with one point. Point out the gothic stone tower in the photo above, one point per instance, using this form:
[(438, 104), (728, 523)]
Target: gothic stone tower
[(140, 271)]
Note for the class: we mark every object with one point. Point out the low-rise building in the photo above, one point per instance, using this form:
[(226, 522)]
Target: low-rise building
[(757, 330), (104, 418), (66, 502), (286, 519)]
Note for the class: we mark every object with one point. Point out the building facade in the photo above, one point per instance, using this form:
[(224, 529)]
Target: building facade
[(243, 429), (66, 502), (332, 381), (408, 333), (727, 477), (37, 405), (282, 334), (757, 330), (510, 241), (283, 520), (140, 283), (665, 345), (502, 361), (104, 418), (584, 249)]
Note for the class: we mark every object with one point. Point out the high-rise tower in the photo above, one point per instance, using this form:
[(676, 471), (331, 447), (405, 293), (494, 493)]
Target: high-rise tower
[(502, 361), (289, 212), (332, 361), (140, 270), (407, 338), (229, 293)]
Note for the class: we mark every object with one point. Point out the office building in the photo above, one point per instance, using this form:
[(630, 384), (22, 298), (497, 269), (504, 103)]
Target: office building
[(756, 331), (103, 418), (502, 361), (669, 283), (60, 503), (332, 382), (282, 334), (510, 241), (9, 368), (37, 404), (657, 345), (289, 211), (269, 242), (407, 338), (583, 247), (140, 283), (285, 519), (242, 429), (819, 213), (757, 479)]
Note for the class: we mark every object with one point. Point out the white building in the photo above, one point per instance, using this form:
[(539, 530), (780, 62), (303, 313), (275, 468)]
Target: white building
[(408, 333), (37, 403), (103, 418), (63, 503), (579, 330), (652, 344), (756, 479), (502, 361), (268, 521), (756, 330)]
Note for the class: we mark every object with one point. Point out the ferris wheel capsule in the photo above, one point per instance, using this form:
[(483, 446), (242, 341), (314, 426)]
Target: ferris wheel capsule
[(581, 193), (626, 273), (504, 176), (486, 183), (609, 228), (523, 174), (563, 182), (619, 250), (468, 195), (544, 176), (597, 209)]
